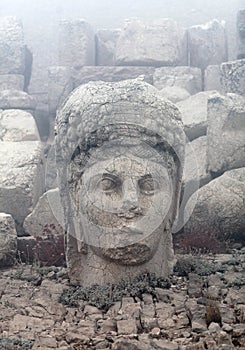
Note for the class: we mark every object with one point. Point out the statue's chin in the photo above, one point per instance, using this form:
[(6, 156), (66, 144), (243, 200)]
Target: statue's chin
[(134, 254)]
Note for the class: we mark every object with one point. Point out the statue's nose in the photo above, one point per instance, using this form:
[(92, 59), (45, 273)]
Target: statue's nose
[(130, 195)]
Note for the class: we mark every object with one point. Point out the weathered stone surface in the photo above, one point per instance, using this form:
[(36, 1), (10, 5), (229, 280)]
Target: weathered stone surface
[(188, 78), (105, 46), (194, 114), (11, 46), (11, 82), (59, 86), (76, 43), (21, 177), (97, 251), (195, 168), (127, 327), (8, 240), (241, 34), (212, 78), (87, 74), (219, 209), (16, 99), (226, 132), (157, 43), (17, 125), (207, 44), (233, 77), (175, 93), (46, 216)]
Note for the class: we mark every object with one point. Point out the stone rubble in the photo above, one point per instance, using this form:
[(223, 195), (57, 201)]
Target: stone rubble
[(197, 312)]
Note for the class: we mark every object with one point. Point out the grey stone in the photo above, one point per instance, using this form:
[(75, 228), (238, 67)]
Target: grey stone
[(157, 43), (195, 286), (11, 46), (76, 43), (207, 44), (8, 240), (16, 99), (195, 168), (17, 125), (97, 252), (111, 74), (59, 86), (221, 201), (225, 133), (162, 344), (47, 213), (233, 77), (11, 82), (21, 178), (212, 78), (241, 34), (175, 93), (105, 46), (194, 114), (127, 327), (189, 78)]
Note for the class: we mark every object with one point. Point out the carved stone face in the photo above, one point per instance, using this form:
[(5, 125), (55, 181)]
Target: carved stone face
[(122, 200)]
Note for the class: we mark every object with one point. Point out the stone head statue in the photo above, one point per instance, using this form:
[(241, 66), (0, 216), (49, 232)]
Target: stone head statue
[(119, 152)]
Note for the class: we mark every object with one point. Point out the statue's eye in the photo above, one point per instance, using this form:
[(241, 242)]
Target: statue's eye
[(147, 185), (108, 184)]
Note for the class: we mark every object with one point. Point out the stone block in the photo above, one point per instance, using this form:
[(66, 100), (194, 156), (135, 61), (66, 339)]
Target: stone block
[(194, 114), (157, 43), (212, 78), (225, 133), (11, 82), (8, 240), (241, 34), (127, 327), (114, 74), (188, 78), (59, 86), (207, 44), (222, 202), (17, 125), (233, 77), (21, 178), (105, 46), (11, 46), (76, 44), (175, 93), (16, 99), (195, 168)]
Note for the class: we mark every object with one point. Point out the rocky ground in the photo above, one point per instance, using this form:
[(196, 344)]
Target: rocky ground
[(202, 306)]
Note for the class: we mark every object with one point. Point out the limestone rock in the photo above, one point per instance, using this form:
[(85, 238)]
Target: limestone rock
[(212, 78), (46, 215), (207, 44), (157, 43), (8, 240), (11, 82), (17, 125), (241, 34), (76, 43), (185, 77), (233, 77), (226, 132), (175, 93), (11, 46), (21, 178), (219, 210), (59, 86), (195, 168), (16, 99), (87, 74), (194, 114), (105, 46)]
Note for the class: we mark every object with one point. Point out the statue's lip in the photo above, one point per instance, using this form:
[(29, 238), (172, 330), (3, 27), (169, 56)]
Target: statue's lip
[(130, 230)]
